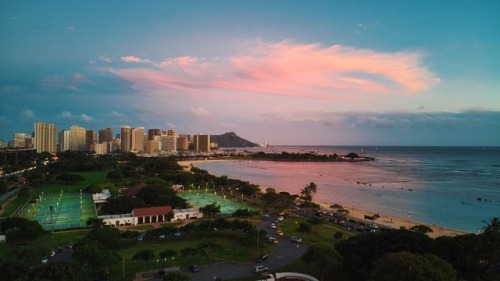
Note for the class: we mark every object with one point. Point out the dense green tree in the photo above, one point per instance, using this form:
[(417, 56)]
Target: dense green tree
[(122, 205), (324, 257), (95, 222), (106, 237), (21, 230), (362, 250), (277, 202), (67, 178), (167, 253), (210, 210), (144, 255), (421, 228), (411, 267), (93, 257), (65, 270), (159, 195), (304, 227)]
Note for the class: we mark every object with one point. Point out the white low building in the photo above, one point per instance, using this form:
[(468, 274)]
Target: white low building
[(187, 214)]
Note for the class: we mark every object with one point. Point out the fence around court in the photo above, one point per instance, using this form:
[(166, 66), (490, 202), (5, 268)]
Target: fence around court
[(61, 210)]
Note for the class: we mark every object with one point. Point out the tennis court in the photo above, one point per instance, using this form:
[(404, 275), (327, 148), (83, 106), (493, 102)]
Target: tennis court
[(201, 199), (61, 210)]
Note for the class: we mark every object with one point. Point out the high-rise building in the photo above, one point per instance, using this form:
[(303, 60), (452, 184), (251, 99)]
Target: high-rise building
[(169, 141), (152, 133), (201, 143), (105, 135), (183, 142), (78, 138), (19, 139), (64, 140), (45, 137), (137, 139), (90, 139), (126, 138)]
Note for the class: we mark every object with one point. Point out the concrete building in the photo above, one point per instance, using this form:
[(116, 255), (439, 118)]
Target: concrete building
[(90, 139), (126, 138), (78, 141), (137, 139), (19, 140), (183, 142), (152, 133), (105, 135), (64, 138), (201, 143), (45, 137)]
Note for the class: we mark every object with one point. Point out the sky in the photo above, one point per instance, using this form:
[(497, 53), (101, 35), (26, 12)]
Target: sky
[(280, 72)]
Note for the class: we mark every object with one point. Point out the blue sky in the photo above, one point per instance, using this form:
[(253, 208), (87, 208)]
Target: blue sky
[(282, 72)]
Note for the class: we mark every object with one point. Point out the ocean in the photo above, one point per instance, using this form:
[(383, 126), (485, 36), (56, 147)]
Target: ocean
[(453, 187)]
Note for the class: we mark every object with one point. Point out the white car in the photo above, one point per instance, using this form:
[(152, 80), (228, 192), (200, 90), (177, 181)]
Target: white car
[(273, 225), (296, 239), (260, 269)]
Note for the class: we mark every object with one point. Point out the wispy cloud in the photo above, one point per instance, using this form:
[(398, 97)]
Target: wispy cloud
[(134, 59), (198, 112), (69, 82), (27, 114), (289, 69), (66, 115)]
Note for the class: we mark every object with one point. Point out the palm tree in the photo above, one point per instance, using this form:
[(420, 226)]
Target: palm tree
[(307, 192), (493, 226)]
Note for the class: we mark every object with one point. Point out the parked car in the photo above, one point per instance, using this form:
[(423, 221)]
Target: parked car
[(260, 269), (261, 258), (273, 225), (279, 232), (296, 239), (194, 268)]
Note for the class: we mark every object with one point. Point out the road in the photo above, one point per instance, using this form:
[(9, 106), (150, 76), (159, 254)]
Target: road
[(283, 253)]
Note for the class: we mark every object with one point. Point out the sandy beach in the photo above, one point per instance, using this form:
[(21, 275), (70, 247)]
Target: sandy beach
[(388, 221)]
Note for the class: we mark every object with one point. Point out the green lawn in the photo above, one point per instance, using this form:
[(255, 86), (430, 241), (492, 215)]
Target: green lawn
[(322, 233)]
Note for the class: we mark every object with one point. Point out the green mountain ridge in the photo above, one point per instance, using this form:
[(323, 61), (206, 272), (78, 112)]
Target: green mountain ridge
[(231, 139)]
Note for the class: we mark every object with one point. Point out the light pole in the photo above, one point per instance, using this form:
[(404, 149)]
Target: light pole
[(409, 222)]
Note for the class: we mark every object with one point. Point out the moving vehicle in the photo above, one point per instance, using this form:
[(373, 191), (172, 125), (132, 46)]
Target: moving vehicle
[(260, 269)]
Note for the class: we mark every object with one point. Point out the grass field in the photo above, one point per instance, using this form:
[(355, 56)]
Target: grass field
[(201, 199)]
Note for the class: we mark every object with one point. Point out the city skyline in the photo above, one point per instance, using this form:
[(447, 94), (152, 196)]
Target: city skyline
[(280, 72)]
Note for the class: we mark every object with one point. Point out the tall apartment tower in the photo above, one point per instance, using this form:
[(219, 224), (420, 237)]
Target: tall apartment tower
[(152, 133), (201, 143), (45, 137), (78, 138), (137, 139), (90, 139), (63, 142), (183, 142), (126, 138), (105, 135)]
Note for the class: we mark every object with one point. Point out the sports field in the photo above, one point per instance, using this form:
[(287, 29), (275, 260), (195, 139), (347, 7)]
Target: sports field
[(61, 210), (201, 199)]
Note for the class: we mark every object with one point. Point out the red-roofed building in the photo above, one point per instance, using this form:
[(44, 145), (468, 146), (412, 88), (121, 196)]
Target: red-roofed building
[(134, 190), (151, 214)]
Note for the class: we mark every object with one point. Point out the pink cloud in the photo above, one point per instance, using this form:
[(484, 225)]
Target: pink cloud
[(287, 69)]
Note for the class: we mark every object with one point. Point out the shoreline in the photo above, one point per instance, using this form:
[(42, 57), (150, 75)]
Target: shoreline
[(389, 221)]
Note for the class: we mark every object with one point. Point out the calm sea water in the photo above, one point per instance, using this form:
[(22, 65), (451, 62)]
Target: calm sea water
[(455, 187)]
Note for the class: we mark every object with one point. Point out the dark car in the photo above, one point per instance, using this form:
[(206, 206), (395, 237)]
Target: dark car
[(261, 258), (194, 268)]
